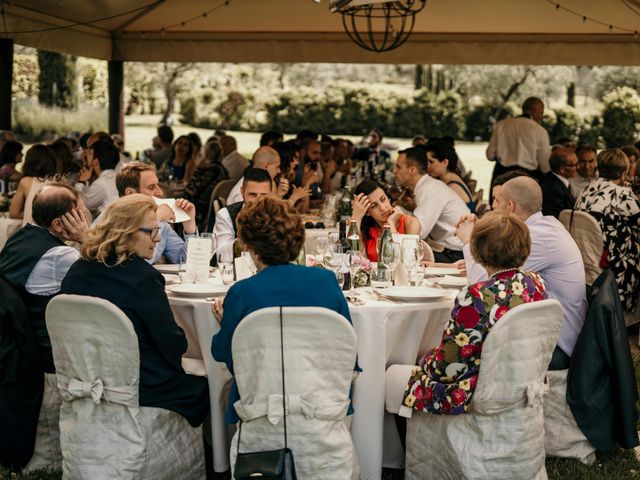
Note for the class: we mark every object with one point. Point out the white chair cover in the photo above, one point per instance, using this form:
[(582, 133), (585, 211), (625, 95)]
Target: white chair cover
[(319, 357), (104, 433), (502, 436), (586, 231), (46, 452), (562, 436)]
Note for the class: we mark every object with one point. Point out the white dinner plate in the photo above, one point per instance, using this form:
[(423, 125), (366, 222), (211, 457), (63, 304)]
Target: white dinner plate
[(449, 281), (441, 271), (412, 293), (197, 290)]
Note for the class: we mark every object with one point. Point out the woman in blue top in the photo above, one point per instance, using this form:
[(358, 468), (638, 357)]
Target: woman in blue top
[(274, 234), (442, 162)]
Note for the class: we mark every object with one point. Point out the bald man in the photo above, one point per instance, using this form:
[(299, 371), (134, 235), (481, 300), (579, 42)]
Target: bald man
[(554, 255), (35, 259), (266, 158)]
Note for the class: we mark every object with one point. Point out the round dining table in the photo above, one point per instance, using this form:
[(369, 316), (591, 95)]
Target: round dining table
[(388, 332)]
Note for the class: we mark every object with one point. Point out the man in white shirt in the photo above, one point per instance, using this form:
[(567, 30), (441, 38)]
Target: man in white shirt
[(35, 259), (438, 208), (268, 159), (255, 183), (554, 255), (103, 157), (521, 142), (556, 195), (587, 169), (232, 160)]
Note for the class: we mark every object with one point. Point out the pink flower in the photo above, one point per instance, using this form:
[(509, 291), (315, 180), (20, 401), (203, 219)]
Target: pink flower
[(445, 407), (474, 381), (501, 311), (419, 392), (428, 394)]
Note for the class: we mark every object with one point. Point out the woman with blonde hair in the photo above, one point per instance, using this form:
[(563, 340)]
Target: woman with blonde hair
[(445, 379), (113, 266)]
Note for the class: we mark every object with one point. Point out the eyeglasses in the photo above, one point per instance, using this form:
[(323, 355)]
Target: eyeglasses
[(570, 165), (154, 232)]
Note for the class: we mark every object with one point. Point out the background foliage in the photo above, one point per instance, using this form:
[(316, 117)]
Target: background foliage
[(463, 101)]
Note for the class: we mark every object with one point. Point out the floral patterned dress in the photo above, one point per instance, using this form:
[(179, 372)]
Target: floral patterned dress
[(446, 377), (617, 210)]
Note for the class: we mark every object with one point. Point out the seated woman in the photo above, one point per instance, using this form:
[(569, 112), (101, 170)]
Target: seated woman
[(39, 163), (181, 163), (446, 377), (113, 266), (442, 164), (289, 158), (616, 209), (274, 235), (372, 210)]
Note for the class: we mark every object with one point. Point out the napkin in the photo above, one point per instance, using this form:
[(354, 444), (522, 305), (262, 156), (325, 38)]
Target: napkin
[(180, 214)]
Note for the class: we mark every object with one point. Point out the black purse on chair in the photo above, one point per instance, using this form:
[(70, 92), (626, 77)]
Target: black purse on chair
[(272, 463)]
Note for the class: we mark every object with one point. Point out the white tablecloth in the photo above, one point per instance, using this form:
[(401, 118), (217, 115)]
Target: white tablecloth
[(8, 227), (387, 332)]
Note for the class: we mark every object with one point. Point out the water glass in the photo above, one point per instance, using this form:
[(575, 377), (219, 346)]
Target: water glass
[(212, 237), (226, 272), (355, 263), (321, 245)]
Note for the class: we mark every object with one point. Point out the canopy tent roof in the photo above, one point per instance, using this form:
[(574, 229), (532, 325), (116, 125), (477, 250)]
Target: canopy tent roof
[(446, 31)]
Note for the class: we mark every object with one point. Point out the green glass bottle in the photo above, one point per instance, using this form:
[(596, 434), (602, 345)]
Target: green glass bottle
[(354, 236)]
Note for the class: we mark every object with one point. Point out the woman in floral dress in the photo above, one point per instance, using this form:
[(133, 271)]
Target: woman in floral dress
[(446, 377), (616, 209)]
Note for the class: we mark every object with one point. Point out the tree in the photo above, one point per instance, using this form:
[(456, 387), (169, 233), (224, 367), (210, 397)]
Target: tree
[(57, 80)]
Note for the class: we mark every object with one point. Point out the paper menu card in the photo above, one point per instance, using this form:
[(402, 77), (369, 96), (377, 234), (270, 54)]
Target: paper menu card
[(199, 256), (180, 214)]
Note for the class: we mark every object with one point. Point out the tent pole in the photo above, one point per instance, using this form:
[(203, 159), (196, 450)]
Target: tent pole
[(6, 79), (116, 96)]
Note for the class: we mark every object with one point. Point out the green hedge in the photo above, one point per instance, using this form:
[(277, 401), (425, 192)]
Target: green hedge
[(621, 117)]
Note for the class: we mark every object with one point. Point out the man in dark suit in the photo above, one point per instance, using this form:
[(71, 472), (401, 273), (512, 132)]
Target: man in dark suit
[(556, 195)]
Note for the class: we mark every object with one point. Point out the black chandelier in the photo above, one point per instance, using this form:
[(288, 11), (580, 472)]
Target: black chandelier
[(378, 25)]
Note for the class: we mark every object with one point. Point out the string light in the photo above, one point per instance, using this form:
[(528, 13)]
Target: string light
[(75, 24), (162, 30), (586, 18)]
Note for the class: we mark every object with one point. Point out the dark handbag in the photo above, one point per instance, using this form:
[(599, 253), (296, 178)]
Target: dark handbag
[(272, 463)]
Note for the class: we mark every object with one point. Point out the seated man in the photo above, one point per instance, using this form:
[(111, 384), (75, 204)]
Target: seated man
[(137, 177), (556, 195), (264, 157), (256, 183), (587, 169), (35, 259), (437, 206), (554, 255), (102, 157)]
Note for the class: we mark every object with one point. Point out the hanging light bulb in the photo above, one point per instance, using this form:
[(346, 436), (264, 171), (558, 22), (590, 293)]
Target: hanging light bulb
[(378, 25)]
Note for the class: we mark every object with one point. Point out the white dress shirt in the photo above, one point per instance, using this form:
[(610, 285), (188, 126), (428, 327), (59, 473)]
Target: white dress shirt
[(235, 195), (225, 233), (577, 184), (520, 141), (47, 275), (556, 257), (438, 208), (235, 165), (101, 192)]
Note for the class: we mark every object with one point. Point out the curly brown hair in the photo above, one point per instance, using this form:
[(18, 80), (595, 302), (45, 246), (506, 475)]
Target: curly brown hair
[(272, 230)]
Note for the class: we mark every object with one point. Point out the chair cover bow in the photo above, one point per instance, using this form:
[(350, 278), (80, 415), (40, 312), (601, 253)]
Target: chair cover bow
[(536, 391), (77, 389), (296, 405)]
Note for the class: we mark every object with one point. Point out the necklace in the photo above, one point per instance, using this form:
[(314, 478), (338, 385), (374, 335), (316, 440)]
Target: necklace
[(505, 270)]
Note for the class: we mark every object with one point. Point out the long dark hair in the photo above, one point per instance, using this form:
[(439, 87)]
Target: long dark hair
[(367, 187), (189, 153)]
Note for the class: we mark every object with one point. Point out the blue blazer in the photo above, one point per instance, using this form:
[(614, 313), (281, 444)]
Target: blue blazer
[(278, 285)]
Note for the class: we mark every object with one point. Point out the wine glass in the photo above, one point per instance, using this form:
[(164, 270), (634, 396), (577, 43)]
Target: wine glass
[(212, 237), (410, 255), (391, 257), (355, 262), (334, 257), (321, 245)]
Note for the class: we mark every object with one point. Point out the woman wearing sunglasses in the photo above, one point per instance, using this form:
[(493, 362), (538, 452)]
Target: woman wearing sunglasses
[(113, 266)]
